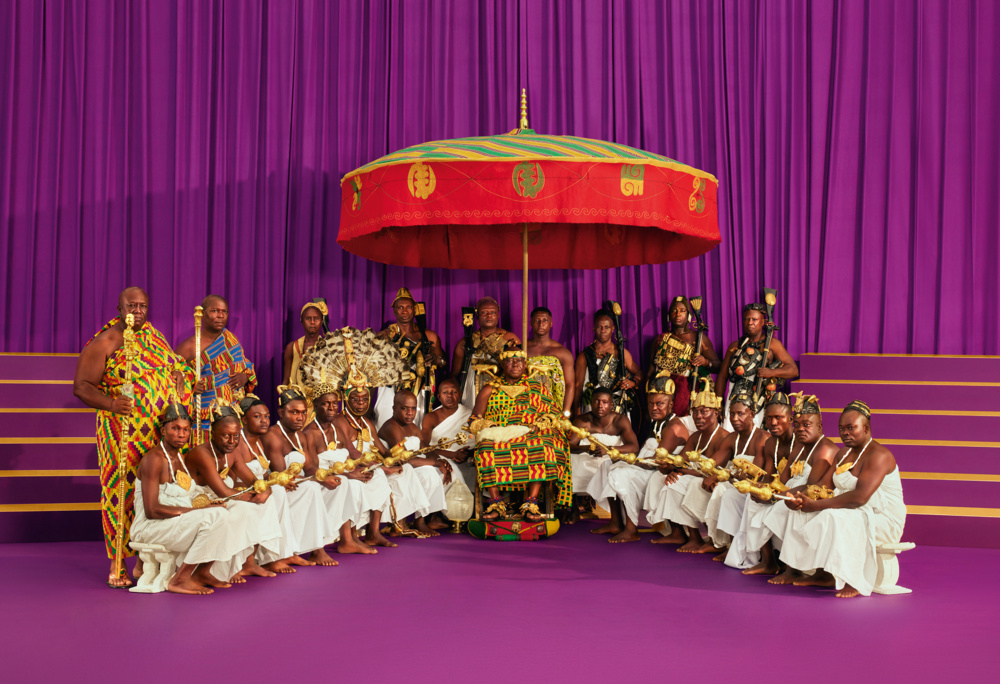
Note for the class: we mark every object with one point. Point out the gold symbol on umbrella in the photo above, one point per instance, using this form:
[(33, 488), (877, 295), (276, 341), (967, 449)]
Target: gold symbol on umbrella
[(632, 179), (421, 180), (528, 179)]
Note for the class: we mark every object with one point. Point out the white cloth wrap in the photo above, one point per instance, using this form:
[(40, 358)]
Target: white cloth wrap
[(447, 429), (622, 481), (586, 464), (760, 522), (843, 541), (264, 519), (205, 535), (307, 506), (351, 504), (431, 479)]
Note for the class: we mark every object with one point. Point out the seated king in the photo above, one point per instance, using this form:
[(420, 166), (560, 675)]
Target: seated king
[(517, 445)]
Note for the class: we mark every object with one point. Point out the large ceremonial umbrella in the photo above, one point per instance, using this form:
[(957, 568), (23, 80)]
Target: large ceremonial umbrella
[(478, 202)]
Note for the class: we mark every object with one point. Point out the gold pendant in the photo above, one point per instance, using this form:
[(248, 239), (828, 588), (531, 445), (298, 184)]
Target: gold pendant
[(797, 468), (513, 391), (225, 471), (263, 461), (183, 480), (331, 446), (844, 468)]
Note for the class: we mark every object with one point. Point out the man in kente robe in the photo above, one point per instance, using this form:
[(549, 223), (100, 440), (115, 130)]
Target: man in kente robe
[(674, 353), (839, 536), (211, 543), (598, 365), (487, 343), (432, 472), (226, 373), (547, 356), (511, 451), (421, 349), (100, 382), (313, 315)]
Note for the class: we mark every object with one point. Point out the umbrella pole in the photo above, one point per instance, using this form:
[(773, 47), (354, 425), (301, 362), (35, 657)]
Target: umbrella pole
[(524, 285)]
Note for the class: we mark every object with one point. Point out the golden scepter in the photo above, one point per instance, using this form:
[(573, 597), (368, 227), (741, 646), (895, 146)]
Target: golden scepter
[(130, 349), (197, 373)]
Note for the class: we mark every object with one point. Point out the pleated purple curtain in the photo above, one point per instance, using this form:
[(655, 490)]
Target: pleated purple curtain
[(195, 147)]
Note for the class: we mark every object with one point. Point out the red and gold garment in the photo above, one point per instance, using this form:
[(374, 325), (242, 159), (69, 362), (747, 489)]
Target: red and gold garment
[(539, 456), (151, 376)]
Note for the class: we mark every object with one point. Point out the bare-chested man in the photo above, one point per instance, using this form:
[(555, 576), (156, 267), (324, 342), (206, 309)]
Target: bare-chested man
[(811, 464), (746, 359), (487, 343), (685, 483), (597, 366), (325, 442), (312, 316), (722, 515), (284, 444), (433, 472), (100, 383), (444, 423), (839, 536), (667, 431), (210, 542), (421, 350), (555, 360), (225, 368), (213, 467), (670, 347)]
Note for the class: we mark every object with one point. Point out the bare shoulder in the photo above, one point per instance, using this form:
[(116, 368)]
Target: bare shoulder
[(186, 349), (827, 450), (432, 336), (431, 419), (882, 457)]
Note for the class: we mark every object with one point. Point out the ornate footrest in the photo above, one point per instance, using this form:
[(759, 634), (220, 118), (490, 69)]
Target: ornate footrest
[(158, 566), (888, 568), (513, 530)]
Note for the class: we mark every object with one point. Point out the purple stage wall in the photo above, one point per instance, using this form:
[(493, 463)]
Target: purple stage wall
[(193, 147)]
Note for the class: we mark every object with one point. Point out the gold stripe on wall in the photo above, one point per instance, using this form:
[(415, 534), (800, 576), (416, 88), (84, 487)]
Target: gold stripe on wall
[(923, 412), (63, 410), (905, 356), (952, 477), (931, 442), (920, 383), (49, 507), (50, 473), (958, 511), (35, 354), (48, 440), (36, 382)]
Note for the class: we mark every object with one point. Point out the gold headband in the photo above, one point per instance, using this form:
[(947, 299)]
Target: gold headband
[(511, 353), (319, 306)]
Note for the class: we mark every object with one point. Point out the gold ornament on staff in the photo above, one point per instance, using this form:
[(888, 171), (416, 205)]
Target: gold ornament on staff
[(130, 349), (197, 373), (280, 478)]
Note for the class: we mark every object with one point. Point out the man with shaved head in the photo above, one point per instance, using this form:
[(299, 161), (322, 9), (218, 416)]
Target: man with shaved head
[(100, 382), (226, 372)]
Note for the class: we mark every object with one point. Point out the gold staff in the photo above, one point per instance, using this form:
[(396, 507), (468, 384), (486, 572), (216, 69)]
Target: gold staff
[(197, 373), (130, 348)]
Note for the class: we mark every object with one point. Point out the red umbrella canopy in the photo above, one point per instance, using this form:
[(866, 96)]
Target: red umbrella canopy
[(588, 204)]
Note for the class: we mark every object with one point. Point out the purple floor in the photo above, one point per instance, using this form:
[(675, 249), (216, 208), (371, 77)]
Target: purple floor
[(569, 609)]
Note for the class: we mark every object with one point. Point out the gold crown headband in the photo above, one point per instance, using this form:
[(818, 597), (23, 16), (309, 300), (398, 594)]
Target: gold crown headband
[(707, 397), (512, 353)]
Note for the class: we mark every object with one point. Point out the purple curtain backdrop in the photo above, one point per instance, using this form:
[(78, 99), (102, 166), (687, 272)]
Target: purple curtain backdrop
[(194, 147)]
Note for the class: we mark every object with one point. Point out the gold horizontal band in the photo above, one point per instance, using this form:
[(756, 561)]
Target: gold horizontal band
[(50, 507), (958, 511), (61, 410), (50, 473), (48, 440), (36, 382), (914, 356), (915, 383), (950, 477), (34, 354), (930, 442), (923, 412)]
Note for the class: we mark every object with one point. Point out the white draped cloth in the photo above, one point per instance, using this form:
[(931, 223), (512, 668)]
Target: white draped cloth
[(431, 479), (307, 504), (447, 429), (374, 495), (666, 502), (653, 500), (843, 541), (586, 464), (206, 535), (623, 481)]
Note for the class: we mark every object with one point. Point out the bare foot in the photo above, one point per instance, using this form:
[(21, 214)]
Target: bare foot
[(764, 568), (789, 576), (847, 592), (321, 557), (237, 579), (438, 523), (692, 545), (251, 569), (376, 539), (721, 558), (675, 537), (137, 571), (707, 547), (203, 577), (352, 545), (399, 531), (300, 561), (820, 579), (116, 582), (610, 528), (423, 528), (279, 566), (187, 586), (624, 537)]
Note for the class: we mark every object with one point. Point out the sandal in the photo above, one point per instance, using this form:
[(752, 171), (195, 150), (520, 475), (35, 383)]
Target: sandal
[(530, 510), (497, 508), (112, 582)]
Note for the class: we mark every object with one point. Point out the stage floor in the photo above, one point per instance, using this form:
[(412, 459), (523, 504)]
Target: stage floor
[(569, 609)]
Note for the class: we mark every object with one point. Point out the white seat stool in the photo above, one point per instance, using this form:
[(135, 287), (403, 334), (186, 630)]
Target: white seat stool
[(888, 568), (158, 566)]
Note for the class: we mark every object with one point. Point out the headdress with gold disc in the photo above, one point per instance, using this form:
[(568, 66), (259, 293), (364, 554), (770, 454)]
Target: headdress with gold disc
[(348, 359), (707, 397), (746, 397), (805, 404), (661, 383)]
